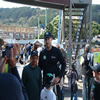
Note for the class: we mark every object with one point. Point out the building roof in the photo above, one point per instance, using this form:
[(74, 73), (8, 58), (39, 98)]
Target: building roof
[(25, 41), (39, 40), (3, 35), (56, 4)]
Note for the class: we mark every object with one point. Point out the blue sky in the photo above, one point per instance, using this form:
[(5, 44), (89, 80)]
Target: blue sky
[(4, 4)]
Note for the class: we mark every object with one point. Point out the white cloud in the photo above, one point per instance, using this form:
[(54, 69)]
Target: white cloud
[(95, 1), (5, 4)]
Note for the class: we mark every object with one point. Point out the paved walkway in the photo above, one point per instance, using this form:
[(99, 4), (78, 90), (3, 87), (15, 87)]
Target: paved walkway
[(66, 91)]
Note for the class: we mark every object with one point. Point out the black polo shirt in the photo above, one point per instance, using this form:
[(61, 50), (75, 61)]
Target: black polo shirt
[(48, 62)]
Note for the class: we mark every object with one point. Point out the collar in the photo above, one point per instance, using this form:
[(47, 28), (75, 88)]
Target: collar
[(47, 89), (31, 66), (49, 50)]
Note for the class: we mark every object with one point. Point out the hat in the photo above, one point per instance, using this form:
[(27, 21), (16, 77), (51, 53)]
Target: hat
[(48, 79), (47, 35), (34, 53), (96, 68), (37, 43)]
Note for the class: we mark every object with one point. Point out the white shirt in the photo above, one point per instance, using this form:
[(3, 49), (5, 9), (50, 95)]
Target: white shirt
[(47, 94)]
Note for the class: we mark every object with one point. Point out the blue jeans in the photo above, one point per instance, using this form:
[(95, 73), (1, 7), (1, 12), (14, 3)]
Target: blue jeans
[(73, 95), (87, 84)]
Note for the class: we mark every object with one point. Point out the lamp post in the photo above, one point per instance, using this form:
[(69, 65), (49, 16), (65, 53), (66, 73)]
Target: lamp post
[(38, 22), (45, 17)]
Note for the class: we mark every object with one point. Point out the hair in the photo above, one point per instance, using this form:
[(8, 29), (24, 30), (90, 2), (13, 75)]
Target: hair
[(87, 48), (1, 42), (48, 78)]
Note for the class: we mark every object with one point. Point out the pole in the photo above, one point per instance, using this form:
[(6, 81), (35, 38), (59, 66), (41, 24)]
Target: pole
[(59, 30), (90, 21), (63, 27), (70, 33), (38, 23), (46, 17)]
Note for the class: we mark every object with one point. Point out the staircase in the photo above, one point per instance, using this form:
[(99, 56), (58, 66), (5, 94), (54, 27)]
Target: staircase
[(77, 26)]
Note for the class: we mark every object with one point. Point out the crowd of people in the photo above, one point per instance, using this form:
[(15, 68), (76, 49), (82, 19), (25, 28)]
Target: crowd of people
[(43, 74)]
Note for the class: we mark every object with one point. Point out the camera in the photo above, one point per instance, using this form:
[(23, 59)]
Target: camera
[(6, 51)]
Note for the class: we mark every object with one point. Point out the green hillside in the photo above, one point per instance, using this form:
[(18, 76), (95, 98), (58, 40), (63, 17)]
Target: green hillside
[(26, 16)]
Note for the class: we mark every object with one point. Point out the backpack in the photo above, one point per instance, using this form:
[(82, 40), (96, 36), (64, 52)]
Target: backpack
[(85, 65)]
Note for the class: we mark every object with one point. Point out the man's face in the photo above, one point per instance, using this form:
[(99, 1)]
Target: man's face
[(96, 75), (48, 42), (34, 60)]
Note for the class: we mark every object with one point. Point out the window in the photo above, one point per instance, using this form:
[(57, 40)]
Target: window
[(28, 36), (98, 37), (17, 36), (32, 36), (23, 36), (11, 35)]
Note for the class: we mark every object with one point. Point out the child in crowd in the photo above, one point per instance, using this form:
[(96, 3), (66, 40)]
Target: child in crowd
[(31, 77), (95, 92), (72, 78), (47, 93)]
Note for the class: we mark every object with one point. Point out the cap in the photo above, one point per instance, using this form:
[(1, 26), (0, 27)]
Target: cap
[(37, 43), (48, 79), (34, 53), (47, 35), (96, 68)]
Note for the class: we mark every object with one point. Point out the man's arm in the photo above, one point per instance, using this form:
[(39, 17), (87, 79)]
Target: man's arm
[(63, 63), (24, 76), (15, 73), (40, 83), (12, 63)]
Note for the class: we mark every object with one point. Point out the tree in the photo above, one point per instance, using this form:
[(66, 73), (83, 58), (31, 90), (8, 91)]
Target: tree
[(95, 28), (52, 27)]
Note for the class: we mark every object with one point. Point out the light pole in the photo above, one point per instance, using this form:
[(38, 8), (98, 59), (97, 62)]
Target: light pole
[(45, 17), (38, 22)]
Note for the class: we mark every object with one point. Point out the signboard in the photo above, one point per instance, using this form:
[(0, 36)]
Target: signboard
[(96, 54), (95, 49), (96, 57)]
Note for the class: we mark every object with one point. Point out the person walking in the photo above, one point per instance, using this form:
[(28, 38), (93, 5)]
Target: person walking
[(86, 71), (72, 80)]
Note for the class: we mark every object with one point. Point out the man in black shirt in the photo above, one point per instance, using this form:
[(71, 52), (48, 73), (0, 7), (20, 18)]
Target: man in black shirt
[(49, 58), (95, 93)]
